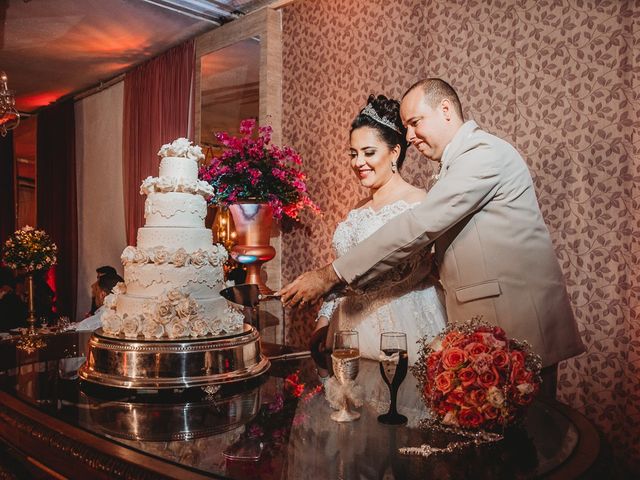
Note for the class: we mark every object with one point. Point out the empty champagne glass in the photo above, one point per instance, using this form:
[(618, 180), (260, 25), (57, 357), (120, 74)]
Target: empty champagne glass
[(346, 364), (394, 363)]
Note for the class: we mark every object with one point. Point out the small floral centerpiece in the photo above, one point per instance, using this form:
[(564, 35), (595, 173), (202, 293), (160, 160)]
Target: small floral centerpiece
[(473, 377), (252, 169), (29, 250)]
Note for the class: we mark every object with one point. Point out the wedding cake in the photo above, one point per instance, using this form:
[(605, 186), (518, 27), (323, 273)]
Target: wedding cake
[(173, 276)]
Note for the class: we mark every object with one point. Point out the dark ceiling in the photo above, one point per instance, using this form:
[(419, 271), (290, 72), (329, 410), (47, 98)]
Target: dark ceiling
[(50, 49)]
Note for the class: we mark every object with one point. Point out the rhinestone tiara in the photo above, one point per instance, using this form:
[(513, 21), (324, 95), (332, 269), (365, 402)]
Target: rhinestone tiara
[(370, 112)]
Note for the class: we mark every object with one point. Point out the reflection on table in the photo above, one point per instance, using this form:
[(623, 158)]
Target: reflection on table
[(277, 426)]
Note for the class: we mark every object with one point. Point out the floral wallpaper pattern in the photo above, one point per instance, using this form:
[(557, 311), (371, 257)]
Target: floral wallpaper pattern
[(559, 80)]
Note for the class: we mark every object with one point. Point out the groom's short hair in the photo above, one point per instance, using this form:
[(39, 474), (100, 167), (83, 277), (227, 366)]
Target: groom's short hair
[(435, 90)]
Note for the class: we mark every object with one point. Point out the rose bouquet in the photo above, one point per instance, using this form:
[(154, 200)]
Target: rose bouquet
[(253, 169), (29, 249), (473, 377)]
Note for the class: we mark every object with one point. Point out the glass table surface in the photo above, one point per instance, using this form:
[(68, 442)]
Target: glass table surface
[(279, 426)]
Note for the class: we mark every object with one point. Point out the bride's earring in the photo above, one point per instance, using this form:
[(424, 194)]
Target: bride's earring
[(394, 167)]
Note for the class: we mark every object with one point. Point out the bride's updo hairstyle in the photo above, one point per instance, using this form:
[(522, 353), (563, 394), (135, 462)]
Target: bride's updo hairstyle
[(383, 115)]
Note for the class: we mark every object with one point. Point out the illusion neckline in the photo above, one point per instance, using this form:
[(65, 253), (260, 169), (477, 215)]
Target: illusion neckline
[(388, 205)]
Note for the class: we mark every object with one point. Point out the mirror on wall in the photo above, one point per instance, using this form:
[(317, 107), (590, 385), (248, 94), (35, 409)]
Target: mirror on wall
[(229, 88)]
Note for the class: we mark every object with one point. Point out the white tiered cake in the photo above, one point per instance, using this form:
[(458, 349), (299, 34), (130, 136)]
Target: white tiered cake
[(174, 275)]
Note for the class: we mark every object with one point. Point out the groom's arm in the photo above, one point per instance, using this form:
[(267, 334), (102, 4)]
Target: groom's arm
[(471, 182)]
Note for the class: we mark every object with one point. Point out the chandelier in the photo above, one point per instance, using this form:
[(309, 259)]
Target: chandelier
[(9, 116)]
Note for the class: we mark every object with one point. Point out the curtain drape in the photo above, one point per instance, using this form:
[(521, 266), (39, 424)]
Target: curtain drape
[(7, 187), (157, 101), (56, 193), (101, 237)]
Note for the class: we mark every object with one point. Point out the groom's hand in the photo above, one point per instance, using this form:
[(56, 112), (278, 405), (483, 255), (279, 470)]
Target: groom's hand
[(309, 287)]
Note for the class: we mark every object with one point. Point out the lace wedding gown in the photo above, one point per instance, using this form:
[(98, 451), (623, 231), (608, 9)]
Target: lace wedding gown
[(402, 300)]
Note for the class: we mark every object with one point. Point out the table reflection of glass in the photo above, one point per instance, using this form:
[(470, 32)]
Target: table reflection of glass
[(191, 429)]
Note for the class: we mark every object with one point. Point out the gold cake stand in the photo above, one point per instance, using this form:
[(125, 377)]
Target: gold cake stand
[(182, 363)]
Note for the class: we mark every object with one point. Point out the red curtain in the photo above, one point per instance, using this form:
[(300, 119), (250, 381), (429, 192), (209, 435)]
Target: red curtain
[(56, 194), (7, 188), (157, 110)]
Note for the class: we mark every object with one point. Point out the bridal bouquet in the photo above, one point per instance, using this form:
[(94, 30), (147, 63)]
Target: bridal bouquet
[(252, 169), (29, 249), (473, 377)]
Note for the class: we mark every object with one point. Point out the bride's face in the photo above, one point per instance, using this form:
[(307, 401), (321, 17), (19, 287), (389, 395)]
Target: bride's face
[(371, 157)]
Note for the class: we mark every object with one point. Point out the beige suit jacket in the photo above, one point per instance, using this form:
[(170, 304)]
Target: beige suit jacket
[(493, 250)]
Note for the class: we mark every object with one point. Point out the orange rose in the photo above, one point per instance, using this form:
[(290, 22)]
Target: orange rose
[(456, 397), (470, 417), (478, 396), (517, 358), (445, 381), (500, 359), (467, 376), (476, 348), (489, 378), (489, 411), (453, 358), (451, 339)]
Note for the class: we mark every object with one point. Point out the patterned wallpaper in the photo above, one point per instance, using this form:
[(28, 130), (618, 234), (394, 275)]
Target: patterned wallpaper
[(558, 79)]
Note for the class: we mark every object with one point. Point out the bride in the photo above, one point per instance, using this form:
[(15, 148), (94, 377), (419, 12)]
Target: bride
[(404, 300)]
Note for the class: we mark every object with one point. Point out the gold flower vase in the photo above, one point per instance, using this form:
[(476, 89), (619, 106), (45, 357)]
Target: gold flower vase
[(252, 222)]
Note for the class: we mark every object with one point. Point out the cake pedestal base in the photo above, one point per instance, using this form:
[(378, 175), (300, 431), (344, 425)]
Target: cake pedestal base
[(182, 363)]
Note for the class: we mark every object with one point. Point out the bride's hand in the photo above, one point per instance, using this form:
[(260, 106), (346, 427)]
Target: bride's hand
[(309, 287)]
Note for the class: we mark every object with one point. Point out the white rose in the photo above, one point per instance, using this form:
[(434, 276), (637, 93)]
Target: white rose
[(148, 186), (140, 257), (166, 312), (525, 388), (111, 322), (215, 326), (160, 255), (150, 310), (199, 258), (174, 296), (150, 328), (120, 288), (131, 326), (180, 257), (195, 153), (177, 329), (203, 188), (183, 308), (218, 255), (495, 397), (110, 301), (128, 255), (199, 328), (166, 184), (450, 419)]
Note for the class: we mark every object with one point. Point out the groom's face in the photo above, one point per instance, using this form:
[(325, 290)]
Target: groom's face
[(426, 125)]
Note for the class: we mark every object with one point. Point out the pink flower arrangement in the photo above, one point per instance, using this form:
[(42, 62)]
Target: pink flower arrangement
[(473, 377), (252, 169)]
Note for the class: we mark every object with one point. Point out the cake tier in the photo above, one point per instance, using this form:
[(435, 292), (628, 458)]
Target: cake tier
[(175, 209), (179, 167), (172, 238), (127, 304), (152, 280), (169, 316)]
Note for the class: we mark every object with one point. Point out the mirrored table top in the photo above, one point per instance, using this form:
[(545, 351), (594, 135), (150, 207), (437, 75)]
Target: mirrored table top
[(278, 425)]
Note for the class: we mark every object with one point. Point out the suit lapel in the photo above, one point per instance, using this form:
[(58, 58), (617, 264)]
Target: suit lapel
[(457, 146)]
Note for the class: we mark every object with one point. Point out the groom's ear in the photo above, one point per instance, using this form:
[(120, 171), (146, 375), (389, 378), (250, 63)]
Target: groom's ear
[(446, 108)]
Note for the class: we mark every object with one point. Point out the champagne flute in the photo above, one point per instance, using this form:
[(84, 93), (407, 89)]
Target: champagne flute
[(346, 364), (394, 363)]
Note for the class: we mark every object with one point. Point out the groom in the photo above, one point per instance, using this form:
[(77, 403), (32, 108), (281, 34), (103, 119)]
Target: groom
[(493, 250)]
